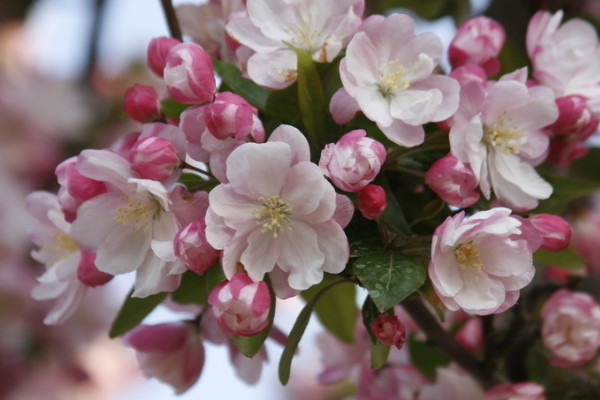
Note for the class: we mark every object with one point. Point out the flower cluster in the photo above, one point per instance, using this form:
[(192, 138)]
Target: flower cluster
[(304, 148)]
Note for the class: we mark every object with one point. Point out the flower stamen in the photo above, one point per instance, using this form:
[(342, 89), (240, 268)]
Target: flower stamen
[(273, 214), (138, 213), (468, 257), (503, 136), (392, 77)]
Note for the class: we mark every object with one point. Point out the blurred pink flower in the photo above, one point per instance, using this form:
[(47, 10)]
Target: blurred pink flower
[(516, 391)]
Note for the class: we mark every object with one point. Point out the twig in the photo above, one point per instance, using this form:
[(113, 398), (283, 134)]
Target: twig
[(172, 21)]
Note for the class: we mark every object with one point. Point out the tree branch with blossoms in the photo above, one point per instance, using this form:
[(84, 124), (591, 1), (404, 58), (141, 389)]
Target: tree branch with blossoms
[(333, 160)]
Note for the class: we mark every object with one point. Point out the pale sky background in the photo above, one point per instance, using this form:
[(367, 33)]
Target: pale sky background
[(59, 36)]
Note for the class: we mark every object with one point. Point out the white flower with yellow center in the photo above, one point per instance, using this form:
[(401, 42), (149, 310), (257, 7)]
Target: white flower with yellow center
[(276, 213), (479, 263)]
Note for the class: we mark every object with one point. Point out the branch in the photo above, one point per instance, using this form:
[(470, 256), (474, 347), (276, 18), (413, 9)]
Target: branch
[(172, 21), (436, 333)]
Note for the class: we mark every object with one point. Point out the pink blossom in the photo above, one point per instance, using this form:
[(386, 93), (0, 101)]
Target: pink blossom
[(478, 41), (276, 211), (451, 384), (498, 133), (141, 103), (388, 329), (471, 335), (156, 55), (89, 274), (188, 206), (479, 263), (555, 231), (353, 162), (321, 28), (61, 255), (192, 248), (585, 224), (453, 182), (398, 382), (516, 391), (154, 158), (372, 201), (189, 74), (393, 85), (241, 306), (171, 352), (565, 57), (571, 327), (130, 227), (230, 115)]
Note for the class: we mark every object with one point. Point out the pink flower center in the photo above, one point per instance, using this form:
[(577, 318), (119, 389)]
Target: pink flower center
[(392, 77), (504, 135), (273, 215), (467, 256)]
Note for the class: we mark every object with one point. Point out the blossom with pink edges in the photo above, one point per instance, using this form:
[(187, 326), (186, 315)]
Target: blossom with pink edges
[(555, 231), (154, 158), (479, 41), (230, 115), (241, 306), (192, 248), (393, 85), (353, 162), (276, 212), (156, 53), (480, 262), (451, 384), (571, 327), (454, 182), (171, 352), (141, 103), (516, 391)]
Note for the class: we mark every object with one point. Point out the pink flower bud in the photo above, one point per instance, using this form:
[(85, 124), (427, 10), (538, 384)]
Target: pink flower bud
[(232, 116), (189, 74), (516, 391), (156, 56), (141, 103), (75, 188), (574, 118), (192, 248), (562, 153), (353, 162), (372, 201), (154, 158), (389, 330), (478, 41), (241, 306), (470, 335), (170, 352), (454, 182), (571, 328), (87, 272), (555, 231)]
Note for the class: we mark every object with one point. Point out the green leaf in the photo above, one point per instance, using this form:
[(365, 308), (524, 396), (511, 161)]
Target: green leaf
[(172, 108), (390, 277), (250, 345), (393, 214), (588, 167), (379, 355), (337, 310), (311, 99), (133, 311), (426, 357), (194, 288), (249, 90), (565, 190), (567, 259), (369, 313), (285, 362)]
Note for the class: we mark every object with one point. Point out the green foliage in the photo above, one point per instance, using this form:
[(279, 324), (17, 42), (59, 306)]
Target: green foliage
[(249, 90), (194, 288), (427, 357), (565, 190), (567, 259), (379, 355), (337, 310), (133, 311), (389, 277), (429, 9), (172, 108)]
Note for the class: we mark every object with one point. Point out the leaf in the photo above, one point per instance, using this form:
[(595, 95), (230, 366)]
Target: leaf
[(567, 259), (133, 311), (379, 355), (249, 90), (426, 357), (565, 190), (393, 214), (250, 345), (389, 277), (588, 167), (172, 108), (285, 362), (337, 310), (194, 288)]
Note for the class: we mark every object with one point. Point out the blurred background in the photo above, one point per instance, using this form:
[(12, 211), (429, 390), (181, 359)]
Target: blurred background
[(64, 66)]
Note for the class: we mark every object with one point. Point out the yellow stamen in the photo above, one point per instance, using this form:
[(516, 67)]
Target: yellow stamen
[(392, 77), (138, 213), (272, 215), (503, 135), (467, 256)]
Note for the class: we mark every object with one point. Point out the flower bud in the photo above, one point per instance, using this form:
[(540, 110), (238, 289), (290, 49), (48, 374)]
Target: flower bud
[(372, 201), (574, 118), (571, 328), (75, 188), (241, 306), (154, 158), (192, 248), (189, 74), (478, 41), (454, 182), (389, 330), (353, 162), (141, 103), (555, 231), (170, 352), (516, 391), (87, 272), (156, 56), (232, 116)]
